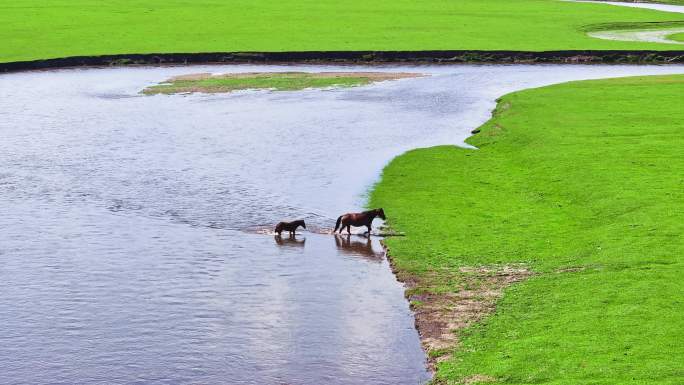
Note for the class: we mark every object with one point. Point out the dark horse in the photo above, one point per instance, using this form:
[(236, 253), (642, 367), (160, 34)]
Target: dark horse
[(358, 219), (289, 226)]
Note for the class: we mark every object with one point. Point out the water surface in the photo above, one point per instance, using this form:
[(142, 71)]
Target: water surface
[(127, 251)]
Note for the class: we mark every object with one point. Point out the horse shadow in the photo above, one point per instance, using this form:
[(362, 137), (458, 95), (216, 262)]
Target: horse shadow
[(290, 241), (356, 245)]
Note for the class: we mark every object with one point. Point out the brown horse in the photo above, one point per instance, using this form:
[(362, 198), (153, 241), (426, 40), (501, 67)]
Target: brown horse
[(289, 226), (358, 219)]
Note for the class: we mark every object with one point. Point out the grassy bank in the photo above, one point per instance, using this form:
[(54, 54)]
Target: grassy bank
[(677, 37), (277, 81), (32, 29), (582, 184)]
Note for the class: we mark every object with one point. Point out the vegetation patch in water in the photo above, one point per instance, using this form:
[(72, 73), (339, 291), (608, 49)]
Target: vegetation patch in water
[(277, 81)]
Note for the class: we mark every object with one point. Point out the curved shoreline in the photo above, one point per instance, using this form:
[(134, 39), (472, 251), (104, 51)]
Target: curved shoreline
[(357, 57), (420, 284)]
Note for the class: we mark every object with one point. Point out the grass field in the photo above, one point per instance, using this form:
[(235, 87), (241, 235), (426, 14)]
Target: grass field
[(32, 29), (677, 37), (582, 183)]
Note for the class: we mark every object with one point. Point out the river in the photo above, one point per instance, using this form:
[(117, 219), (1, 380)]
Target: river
[(130, 247)]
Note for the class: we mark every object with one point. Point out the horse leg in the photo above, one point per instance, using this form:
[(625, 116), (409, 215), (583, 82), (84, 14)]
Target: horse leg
[(349, 229), (369, 229)]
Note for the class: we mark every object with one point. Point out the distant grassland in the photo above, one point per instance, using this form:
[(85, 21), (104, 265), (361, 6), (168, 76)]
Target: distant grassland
[(581, 182), (277, 81), (677, 37), (37, 29)]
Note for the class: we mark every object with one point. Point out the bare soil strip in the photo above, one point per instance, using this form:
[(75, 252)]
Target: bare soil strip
[(356, 57), (440, 314)]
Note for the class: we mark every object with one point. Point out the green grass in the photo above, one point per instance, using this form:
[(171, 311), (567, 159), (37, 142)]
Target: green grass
[(677, 37), (581, 175), (33, 29), (286, 81), (634, 26)]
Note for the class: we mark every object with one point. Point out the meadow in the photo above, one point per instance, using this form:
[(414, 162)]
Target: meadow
[(32, 29), (581, 183)]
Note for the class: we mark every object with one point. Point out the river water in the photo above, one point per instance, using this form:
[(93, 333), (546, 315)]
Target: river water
[(127, 244)]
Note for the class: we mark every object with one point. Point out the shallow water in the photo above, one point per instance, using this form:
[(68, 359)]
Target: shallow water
[(652, 36), (127, 248)]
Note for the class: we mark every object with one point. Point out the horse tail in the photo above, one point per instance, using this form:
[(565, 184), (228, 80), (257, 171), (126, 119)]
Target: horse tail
[(337, 224)]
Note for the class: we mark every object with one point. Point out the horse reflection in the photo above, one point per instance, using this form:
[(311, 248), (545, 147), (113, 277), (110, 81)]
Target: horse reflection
[(358, 246), (290, 241)]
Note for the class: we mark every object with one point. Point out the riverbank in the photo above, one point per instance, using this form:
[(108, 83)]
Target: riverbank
[(587, 199), (356, 57)]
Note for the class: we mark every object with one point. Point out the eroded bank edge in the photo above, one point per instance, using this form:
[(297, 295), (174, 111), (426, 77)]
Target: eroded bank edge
[(356, 57), (439, 316)]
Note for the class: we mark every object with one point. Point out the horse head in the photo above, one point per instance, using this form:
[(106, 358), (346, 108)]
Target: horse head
[(301, 223), (380, 213)]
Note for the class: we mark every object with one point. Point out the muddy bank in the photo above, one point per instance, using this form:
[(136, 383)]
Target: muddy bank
[(440, 314), (501, 57)]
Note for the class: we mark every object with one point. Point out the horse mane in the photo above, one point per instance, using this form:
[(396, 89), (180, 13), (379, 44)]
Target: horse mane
[(370, 211)]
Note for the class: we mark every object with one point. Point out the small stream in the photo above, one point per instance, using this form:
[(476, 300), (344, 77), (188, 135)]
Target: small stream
[(127, 245), (651, 36)]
